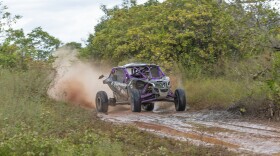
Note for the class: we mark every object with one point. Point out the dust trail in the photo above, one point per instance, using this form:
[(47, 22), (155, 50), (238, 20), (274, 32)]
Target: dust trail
[(76, 81)]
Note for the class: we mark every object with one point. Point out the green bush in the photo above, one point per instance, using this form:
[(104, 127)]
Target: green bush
[(274, 82)]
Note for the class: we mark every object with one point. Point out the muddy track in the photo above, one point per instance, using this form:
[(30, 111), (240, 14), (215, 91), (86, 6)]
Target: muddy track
[(204, 128)]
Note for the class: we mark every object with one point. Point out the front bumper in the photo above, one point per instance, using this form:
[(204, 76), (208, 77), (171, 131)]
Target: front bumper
[(158, 94)]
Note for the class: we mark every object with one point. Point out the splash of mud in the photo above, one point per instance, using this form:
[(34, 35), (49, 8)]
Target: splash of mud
[(76, 81)]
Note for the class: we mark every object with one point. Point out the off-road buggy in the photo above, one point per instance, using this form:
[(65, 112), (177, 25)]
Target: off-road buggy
[(139, 85)]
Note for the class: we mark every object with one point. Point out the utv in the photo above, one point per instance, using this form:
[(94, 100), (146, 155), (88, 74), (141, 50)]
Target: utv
[(139, 85)]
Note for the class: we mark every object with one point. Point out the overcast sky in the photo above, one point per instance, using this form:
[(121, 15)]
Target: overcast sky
[(68, 20)]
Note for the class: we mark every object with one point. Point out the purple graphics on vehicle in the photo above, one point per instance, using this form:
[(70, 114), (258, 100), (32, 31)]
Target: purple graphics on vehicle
[(142, 84)]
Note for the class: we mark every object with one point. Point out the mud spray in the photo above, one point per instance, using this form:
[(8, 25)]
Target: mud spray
[(76, 81)]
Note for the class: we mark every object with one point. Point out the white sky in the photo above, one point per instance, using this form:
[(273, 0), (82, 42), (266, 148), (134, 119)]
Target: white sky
[(68, 20)]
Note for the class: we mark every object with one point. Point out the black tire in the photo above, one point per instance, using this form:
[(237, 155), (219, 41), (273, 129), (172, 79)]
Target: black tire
[(148, 106), (180, 100), (101, 102), (134, 99)]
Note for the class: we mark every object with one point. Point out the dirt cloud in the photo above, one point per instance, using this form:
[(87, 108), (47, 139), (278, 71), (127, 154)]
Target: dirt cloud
[(76, 81)]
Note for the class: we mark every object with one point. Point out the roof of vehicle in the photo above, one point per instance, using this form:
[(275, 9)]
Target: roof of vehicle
[(137, 65)]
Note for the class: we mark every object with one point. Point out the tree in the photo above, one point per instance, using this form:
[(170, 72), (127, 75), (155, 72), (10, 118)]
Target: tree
[(8, 56), (17, 49), (24, 49), (190, 33), (43, 42), (74, 45), (6, 20), (37, 45)]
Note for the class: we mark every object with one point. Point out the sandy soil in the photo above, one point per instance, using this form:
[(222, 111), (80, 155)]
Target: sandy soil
[(204, 127)]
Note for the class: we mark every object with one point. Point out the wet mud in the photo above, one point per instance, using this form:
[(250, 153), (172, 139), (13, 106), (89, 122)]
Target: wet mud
[(207, 128)]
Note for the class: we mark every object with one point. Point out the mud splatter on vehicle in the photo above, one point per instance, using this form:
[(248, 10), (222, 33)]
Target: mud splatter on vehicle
[(140, 85)]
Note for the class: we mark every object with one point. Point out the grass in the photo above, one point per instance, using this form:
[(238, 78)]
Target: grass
[(220, 92), (33, 124), (234, 84)]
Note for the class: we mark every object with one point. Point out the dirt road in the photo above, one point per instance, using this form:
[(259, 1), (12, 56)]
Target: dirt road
[(205, 127)]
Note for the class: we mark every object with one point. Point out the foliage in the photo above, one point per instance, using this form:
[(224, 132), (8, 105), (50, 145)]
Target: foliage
[(74, 45), (274, 82), (37, 44), (8, 55), (191, 34), (32, 124), (18, 49), (43, 43), (6, 20), (7, 52), (223, 41)]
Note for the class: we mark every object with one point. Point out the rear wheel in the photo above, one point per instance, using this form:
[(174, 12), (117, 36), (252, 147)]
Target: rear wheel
[(148, 107), (180, 100), (135, 100), (101, 102)]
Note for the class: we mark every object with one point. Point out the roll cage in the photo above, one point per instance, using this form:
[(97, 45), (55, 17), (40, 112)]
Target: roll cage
[(124, 73)]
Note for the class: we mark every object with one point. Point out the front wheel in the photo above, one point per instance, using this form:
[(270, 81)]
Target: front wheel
[(135, 100), (180, 100), (101, 101)]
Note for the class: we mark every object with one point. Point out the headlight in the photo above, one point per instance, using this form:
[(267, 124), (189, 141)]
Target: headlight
[(167, 78)]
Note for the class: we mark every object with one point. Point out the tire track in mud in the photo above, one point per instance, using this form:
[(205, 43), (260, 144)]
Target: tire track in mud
[(171, 131), (204, 128)]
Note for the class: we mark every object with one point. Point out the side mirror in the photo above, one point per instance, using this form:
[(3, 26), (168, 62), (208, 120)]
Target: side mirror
[(101, 76)]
